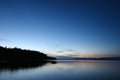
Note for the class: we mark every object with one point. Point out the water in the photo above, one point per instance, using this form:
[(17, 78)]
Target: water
[(64, 70)]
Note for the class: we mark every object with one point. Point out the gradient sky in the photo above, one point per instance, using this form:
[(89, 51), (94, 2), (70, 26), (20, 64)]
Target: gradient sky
[(81, 28)]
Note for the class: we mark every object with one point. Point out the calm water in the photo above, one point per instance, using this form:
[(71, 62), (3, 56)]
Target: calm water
[(64, 70)]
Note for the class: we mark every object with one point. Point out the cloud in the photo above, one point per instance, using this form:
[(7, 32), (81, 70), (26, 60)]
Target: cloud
[(60, 51), (66, 51), (5, 40), (70, 50), (74, 54), (70, 53)]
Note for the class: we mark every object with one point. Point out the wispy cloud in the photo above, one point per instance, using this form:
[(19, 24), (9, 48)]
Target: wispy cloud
[(60, 51), (4, 40), (75, 54), (70, 50), (66, 51), (70, 53)]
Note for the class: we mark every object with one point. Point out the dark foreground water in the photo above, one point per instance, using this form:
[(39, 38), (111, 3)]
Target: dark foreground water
[(64, 70)]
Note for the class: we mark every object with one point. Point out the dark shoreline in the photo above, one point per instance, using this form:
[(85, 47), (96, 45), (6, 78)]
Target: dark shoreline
[(17, 55)]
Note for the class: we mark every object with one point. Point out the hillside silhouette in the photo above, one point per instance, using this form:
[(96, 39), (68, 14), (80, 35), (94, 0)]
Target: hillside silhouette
[(17, 55)]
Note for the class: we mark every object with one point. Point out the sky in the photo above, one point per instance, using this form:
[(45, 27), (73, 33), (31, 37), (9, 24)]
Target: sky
[(77, 28)]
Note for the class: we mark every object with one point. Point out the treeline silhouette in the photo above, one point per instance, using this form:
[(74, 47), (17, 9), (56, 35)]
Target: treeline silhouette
[(17, 55)]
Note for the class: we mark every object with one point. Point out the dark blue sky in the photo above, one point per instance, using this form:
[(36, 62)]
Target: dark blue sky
[(62, 27)]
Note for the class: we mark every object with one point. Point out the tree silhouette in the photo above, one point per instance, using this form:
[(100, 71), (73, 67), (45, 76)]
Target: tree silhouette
[(19, 55)]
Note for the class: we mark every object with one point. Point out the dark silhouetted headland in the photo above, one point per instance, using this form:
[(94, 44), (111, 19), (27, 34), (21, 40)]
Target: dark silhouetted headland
[(17, 55)]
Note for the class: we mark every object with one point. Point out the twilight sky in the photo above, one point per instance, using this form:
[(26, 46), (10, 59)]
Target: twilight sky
[(80, 28)]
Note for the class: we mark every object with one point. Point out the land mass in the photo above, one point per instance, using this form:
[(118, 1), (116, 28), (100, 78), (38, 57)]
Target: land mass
[(17, 55), (102, 58), (78, 58)]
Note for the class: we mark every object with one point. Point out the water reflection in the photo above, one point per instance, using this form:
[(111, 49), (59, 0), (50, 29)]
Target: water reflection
[(65, 70), (24, 65)]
